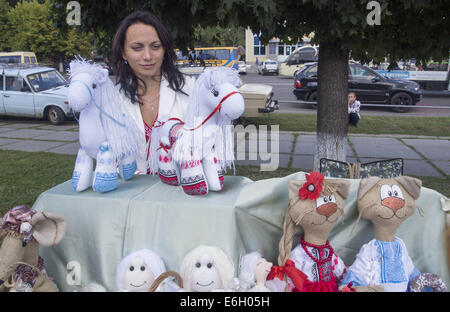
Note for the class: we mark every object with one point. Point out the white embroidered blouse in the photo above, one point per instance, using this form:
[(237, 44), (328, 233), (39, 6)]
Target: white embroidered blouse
[(382, 263), (304, 263)]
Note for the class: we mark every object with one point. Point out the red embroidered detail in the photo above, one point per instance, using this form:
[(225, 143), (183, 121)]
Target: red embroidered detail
[(148, 135), (312, 188), (190, 164), (321, 285), (221, 181), (200, 188), (164, 148), (169, 180)]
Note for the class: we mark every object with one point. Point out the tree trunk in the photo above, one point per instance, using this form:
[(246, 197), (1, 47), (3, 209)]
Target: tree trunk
[(332, 111)]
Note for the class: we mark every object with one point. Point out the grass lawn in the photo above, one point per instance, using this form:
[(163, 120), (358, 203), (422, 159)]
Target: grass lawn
[(26, 175), (429, 126)]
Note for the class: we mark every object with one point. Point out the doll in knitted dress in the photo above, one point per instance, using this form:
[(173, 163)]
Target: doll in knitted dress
[(315, 204)]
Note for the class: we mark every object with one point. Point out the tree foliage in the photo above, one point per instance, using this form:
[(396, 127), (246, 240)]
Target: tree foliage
[(187, 20), (219, 36), (29, 28), (4, 8), (408, 29)]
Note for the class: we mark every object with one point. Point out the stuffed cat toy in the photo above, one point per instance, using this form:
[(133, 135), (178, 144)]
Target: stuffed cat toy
[(315, 204), (384, 263)]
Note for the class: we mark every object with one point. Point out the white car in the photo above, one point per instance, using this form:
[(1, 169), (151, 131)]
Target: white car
[(242, 67), (34, 91), (268, 67)]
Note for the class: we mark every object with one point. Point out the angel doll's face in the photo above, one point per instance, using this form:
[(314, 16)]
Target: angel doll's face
[(262, 269), (137, 276), (205, 276)]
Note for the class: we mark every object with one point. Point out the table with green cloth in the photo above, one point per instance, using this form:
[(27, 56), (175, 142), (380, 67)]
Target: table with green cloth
[(246, 216)]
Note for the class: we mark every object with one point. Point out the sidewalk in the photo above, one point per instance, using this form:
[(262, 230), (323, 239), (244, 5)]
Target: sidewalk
[(423, 156)]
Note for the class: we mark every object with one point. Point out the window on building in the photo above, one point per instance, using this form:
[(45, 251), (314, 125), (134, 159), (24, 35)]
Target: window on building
[(272, 48), (258, 47)]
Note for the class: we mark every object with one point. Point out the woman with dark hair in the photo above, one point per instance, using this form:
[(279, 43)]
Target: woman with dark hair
[(152, 88)]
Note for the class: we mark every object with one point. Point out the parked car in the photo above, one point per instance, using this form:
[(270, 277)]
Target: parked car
[(296, 60), (34, 91), (18, 57), (242, 68), (369, 87), (268, 66)]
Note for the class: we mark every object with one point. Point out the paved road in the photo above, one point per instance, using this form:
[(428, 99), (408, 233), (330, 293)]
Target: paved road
[(423, 156), (283, 87)]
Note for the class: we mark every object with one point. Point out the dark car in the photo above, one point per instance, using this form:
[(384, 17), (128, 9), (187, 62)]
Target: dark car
[(369, 87)]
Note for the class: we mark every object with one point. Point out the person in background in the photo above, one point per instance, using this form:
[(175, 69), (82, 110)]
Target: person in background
[(353, 110)]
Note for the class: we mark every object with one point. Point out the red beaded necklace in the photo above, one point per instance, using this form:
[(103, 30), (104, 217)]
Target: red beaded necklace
[(320, 248)]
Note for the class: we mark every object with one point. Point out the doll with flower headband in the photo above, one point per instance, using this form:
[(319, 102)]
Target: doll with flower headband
[(315, 204)]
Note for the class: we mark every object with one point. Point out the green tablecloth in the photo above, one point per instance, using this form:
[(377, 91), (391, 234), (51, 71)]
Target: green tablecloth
[(246, 216)]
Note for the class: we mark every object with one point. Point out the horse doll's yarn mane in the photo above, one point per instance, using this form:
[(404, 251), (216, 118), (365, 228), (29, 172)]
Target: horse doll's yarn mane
[(187, 146), (121, 131)]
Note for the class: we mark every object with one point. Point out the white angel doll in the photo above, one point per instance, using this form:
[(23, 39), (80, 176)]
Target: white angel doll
[(207, 268), (253, 272), (137, 271)]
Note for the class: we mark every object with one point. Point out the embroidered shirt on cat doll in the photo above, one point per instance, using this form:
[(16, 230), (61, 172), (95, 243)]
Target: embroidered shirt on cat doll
[(384, 261), (315, 204)]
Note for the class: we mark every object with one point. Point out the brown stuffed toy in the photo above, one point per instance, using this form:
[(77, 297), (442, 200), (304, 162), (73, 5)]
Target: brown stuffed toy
[(315, 204), (383, 263), (23, 230)]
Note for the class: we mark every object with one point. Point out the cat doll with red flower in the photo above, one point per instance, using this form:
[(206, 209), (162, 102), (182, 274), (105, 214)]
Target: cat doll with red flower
[(315, 204)]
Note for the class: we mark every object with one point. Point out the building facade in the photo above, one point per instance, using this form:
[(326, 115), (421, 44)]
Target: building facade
[(275, 50)]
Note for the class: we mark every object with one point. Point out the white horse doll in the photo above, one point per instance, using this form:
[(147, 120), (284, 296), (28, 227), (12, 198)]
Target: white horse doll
[(106, 133), (196, 151)]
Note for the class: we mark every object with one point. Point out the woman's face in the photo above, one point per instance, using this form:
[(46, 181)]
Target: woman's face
[(143, 51)]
